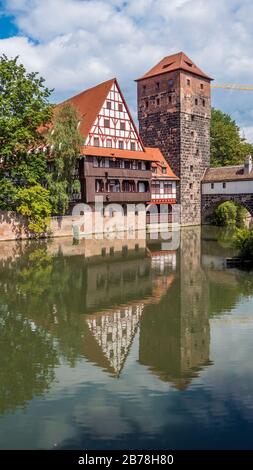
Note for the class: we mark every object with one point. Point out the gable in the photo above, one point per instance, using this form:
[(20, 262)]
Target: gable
[(113, 126)]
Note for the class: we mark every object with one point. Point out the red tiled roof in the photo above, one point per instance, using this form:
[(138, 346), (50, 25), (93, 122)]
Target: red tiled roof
[(178, 61), (88, 104), (226, 173)]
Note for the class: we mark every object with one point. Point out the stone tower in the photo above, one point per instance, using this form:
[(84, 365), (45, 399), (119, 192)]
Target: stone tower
[(174, 111)]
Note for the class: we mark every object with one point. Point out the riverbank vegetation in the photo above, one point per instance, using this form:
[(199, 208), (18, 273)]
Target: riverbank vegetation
[(229, 214), (28, 186)]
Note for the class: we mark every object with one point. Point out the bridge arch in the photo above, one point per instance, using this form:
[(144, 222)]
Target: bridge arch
[(211, 201)]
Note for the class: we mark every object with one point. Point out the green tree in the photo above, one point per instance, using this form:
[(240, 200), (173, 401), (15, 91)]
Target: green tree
[(33, 204), (225, 214), (24, 111), (227, 146), (65, 141), (244, 242)]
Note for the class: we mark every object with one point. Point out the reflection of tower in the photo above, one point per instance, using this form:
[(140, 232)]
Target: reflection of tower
[(174, 338), (114, 332)]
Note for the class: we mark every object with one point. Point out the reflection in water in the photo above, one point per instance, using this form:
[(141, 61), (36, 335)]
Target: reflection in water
[(111, 310)]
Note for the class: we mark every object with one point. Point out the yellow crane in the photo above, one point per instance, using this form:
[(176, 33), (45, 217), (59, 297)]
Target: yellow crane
[(232, 86)]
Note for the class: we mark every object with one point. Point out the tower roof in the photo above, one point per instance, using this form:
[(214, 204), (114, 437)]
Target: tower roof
[(179, 61)]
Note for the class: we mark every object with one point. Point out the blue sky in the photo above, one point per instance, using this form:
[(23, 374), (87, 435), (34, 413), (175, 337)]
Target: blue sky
[(75, 44)]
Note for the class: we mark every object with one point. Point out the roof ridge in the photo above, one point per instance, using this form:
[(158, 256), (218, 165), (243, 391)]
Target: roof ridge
[(88, 89)]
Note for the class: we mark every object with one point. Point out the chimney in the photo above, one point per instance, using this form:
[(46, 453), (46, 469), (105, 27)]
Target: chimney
[(248, 165)]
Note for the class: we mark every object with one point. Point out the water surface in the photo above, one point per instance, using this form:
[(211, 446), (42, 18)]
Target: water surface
[(107, 345)]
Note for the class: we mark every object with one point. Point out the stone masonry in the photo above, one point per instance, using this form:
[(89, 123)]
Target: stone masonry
[(174, 111)]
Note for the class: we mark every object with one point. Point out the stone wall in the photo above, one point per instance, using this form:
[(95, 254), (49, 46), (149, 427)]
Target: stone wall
[(13, 226), (174, 112)]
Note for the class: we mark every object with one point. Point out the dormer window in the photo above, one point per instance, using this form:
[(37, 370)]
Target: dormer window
[(164, 170)]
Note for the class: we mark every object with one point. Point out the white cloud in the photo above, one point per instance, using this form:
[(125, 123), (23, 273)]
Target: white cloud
[(77, 43)]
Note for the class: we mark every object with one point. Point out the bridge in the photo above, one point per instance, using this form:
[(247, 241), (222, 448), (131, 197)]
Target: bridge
[(229, 183)]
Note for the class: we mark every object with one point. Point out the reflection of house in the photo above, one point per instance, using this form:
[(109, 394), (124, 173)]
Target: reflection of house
[(111, 332), (114, 332)]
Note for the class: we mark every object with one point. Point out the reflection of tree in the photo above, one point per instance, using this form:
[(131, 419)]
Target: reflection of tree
[(27, 360)]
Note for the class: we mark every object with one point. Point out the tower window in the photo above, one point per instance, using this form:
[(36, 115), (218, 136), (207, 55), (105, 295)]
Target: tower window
[(203, 102), (157, 85), (144, 88), (107, 122), (196, 101), (190, 185), (122, 126), (158, 101), (191, 168), (201, 86), (223, 185), (192, 117), (188, 81), (212, 185), (170, 82), (170, 99), (108, 104), (120, 107), (146, 104), (192, 133), (197, 152)]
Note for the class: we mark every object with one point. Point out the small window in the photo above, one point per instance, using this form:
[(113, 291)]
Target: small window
[(190, 185), (191, 196), (191, 168), (212, 185), (223, 185), (170, 82), (157, 85), (146, 104), (170, 99), (127, 164), (108, 104), (121, 144), (202, 86), (120, 107), (108, 143), (133, 146), (144, 88), (103, 251), (192, 117), (107, 122), (158, 102), (196, 101), (164, 170), (188, 81), (96, 141), (203, 103), (192, 133), (197, 152), (122, 126), (154, 170)]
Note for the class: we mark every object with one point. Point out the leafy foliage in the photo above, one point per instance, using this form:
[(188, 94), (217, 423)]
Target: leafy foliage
[(244, 242), (225, 214), (227, 146), (33, 203), (65, 140), (24, 107)]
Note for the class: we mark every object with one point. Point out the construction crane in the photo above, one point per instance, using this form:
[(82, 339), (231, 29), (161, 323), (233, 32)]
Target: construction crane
[(231, 86)]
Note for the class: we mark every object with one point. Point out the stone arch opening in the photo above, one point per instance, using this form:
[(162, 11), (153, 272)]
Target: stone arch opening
[(211, 203)]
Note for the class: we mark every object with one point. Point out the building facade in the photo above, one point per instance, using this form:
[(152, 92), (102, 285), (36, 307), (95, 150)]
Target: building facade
[(115, 164), (174, 113)]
